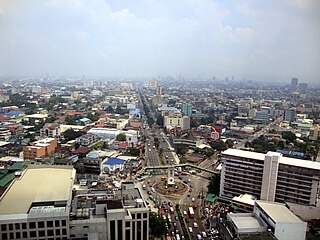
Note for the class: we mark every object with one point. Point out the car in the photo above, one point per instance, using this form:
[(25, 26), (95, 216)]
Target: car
[(176, 218), (184, 212), (193, 199), (177, 237), (204, 234), (174, 224), (195, 225), (190, 230), (199, 237), (182, 237)]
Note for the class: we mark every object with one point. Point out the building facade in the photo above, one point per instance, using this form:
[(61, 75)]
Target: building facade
[(186, 109), (270, 177), (42, 148)]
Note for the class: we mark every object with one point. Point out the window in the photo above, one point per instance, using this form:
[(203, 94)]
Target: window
[(63, 223), (42, 233), (49, 223), (11, 235), (50, 232), (145, 215), (40, 224), (113, 229), (17, 226), (139, 216), (128, 234), (127, 224), (133, 216), (85, 226), (57, 232), (4, 236), (57, 223), (10, 226), (24, 225), (32, 225), (3, 227), (18, 235), (33, 234), (25, 235), (64, 231), (120, 229)]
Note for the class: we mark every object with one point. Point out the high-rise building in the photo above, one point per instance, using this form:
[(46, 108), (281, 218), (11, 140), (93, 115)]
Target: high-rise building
[(290, 115), (303, 88), (186, 109), (159, 90), (294, 84), (270, 177), (153, 84)]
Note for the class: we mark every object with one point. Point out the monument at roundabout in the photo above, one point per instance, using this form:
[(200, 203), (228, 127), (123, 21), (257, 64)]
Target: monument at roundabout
[(171, 185)]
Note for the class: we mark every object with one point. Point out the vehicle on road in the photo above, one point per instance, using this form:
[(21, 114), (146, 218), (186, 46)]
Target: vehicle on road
[(199, 237), (204, 234), (190, 229), (144, 187), (191, 212), (193, 199), (195, 225)]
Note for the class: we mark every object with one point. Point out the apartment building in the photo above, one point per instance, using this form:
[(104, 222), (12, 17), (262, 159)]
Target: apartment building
[(39, 149), (269, 177), (176, 119), (87, 139), (53, 206), (50, 130)]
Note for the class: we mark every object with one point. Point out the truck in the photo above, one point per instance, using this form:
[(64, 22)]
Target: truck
[(191, 212)]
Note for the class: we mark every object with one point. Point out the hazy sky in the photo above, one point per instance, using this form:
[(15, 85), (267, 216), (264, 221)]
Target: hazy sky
[(141, 38)]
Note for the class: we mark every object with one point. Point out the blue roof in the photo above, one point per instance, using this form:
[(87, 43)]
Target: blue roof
[(92, 155), (11, 113), (114, 161)]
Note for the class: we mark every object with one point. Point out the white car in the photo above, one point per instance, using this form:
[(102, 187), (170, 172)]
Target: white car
[(204, 234), (199, 237), (195, 225), (190, 229)]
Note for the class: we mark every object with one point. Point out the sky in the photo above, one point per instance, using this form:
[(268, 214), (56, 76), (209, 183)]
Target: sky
[(274, 39)]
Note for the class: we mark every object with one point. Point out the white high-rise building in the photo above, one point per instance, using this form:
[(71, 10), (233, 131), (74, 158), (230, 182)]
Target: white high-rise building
[(270, 177)]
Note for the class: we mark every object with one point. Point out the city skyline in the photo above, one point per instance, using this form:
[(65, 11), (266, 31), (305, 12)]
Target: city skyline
[(260, 41)]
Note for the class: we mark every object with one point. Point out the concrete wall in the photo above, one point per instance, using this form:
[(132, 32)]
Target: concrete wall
[(292, 231)]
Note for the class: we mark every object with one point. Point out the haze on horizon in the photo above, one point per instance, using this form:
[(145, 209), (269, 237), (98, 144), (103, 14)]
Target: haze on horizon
[(273, 39)]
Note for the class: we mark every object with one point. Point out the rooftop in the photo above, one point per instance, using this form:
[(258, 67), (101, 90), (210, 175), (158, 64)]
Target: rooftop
[(278, 212), (283, 160), (37, 184), (246, 221)]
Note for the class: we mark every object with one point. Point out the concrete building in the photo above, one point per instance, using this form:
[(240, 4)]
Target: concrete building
[(52, 206), (87, 139), (153, 84), (50, 130), (270, 177), (112, 133), (303, 88), (39, 149), (290, 115), (186, 109), (159, 90), (266, 218), (294, 84), (176, 120)]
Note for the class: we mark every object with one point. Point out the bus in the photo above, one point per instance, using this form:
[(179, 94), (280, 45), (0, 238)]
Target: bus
[(191, 212)]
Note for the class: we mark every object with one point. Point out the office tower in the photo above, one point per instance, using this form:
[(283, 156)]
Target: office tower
[(290, 115), (186, 109), (303, 87), (294, 84), (270, 177), (159, 90)]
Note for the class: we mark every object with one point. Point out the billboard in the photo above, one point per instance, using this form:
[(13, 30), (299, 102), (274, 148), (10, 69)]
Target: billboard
[(215, 134)]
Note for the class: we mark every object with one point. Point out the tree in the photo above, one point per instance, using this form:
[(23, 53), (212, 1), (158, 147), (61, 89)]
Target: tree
[(159, 121), (157, 226), (219, 146), (289, 136), (71, 134), (214, 184), (121, 137)]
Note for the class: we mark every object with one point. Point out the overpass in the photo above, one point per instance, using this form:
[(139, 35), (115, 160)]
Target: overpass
[(175, 166)]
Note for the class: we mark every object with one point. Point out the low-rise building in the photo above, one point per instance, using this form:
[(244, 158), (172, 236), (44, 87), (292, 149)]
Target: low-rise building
[(87, 139), (39, 149)]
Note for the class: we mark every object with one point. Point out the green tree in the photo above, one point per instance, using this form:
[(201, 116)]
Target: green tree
[(289, 136), (157, 226), (71, 134), (159, 121), (121, 137), (219, 146), (214, 184)]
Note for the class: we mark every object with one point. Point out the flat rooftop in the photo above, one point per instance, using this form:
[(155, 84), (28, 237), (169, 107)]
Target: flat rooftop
[(37, 184), (245, 221), (278, 212), (283, 160)]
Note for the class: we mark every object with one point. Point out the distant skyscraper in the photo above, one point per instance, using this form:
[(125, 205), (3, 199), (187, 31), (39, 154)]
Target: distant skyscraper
[(294, 84), (159, 90), (303, 87), (290, 115), (186, 109)]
